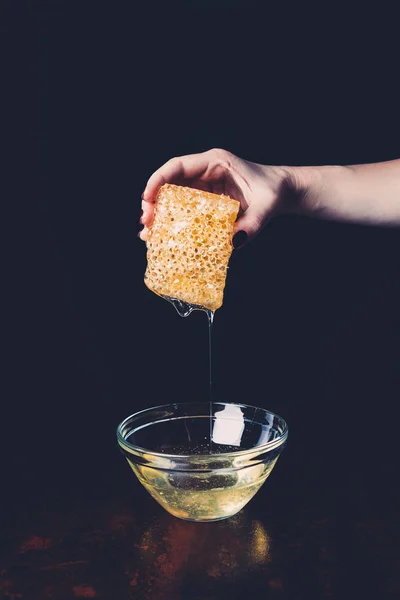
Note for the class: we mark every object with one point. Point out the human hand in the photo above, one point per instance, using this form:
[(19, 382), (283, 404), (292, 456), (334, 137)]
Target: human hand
[(260, 189)]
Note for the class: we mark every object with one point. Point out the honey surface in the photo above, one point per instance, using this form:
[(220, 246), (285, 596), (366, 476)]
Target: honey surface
[(189, 245)]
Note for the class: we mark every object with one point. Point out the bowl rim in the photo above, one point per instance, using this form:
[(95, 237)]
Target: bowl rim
[(271, 445)]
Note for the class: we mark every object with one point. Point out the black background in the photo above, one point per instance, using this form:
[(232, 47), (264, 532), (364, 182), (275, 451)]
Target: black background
[(97, 96)]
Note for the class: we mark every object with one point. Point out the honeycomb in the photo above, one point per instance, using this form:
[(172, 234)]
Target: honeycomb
[(189, 245)]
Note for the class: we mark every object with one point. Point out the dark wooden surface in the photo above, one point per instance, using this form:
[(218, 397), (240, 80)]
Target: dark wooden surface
[(113, 541)]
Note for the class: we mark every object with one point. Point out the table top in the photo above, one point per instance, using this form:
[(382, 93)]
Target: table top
[(114, 542)]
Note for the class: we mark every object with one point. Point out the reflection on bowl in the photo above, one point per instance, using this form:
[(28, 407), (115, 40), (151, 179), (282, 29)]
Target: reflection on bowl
[(193, 478)]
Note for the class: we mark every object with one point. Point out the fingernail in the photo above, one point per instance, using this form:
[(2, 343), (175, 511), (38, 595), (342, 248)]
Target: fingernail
[(239, 239), (141, 218)]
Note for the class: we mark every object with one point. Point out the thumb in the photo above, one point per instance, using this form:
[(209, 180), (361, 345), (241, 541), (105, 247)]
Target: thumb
[(248, 226)]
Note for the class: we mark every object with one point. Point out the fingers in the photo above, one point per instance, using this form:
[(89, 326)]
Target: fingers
[(177, 170), (251, 223), (205, 170), (144, 234), (147, 213)]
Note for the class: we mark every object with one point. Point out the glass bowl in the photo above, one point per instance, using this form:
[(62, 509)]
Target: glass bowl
[(202, 462)]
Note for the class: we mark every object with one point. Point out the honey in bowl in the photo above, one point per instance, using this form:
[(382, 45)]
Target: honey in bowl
[(167, 449)]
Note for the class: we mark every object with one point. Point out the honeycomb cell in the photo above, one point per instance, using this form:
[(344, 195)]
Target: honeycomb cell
[(189, 245)]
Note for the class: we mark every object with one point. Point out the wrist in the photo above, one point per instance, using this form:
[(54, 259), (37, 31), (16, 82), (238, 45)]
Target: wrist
[(309, 188), (299, 185)]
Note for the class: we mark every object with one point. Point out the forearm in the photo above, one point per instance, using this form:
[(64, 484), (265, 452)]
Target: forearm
[(368, 193)]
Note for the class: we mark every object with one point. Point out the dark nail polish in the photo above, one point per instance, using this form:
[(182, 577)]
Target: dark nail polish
[(239, 239)]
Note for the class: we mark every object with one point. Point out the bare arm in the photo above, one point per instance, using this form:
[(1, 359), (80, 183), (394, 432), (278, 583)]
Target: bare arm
[(367, 193)]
